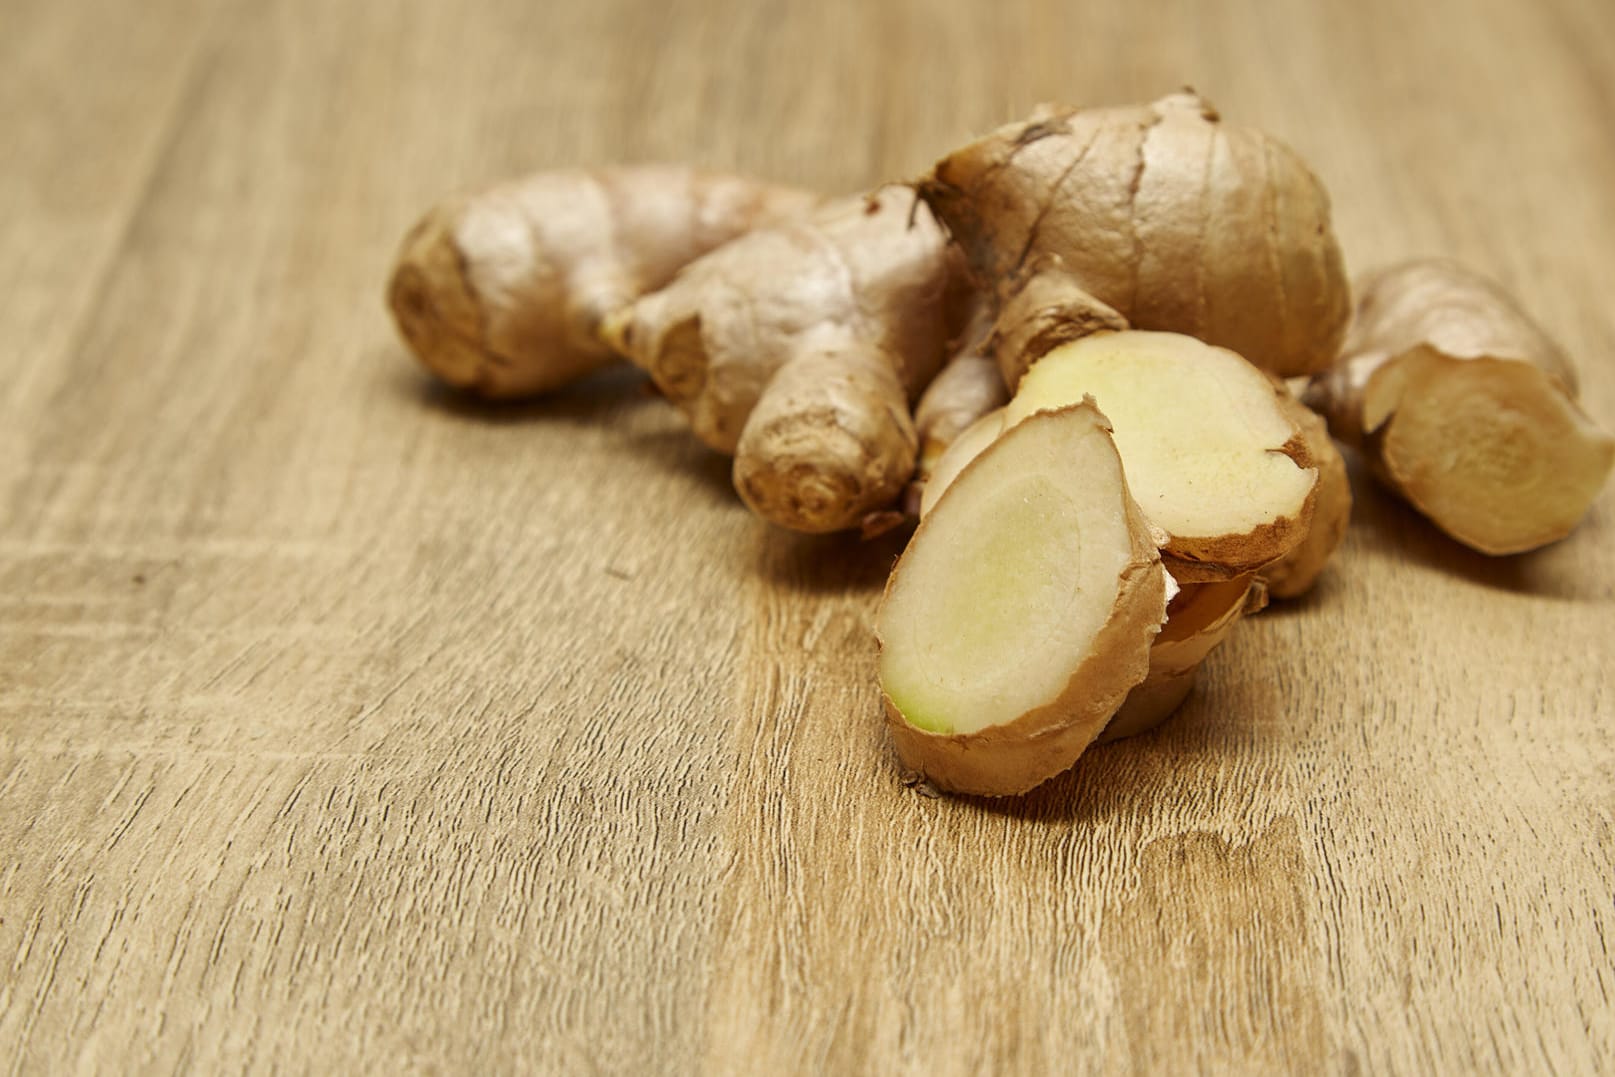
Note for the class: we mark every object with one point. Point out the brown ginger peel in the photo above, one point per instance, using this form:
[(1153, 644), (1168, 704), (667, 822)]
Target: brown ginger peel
[(1198, 619), (1295, 573), (1162, 215), (503, 292)]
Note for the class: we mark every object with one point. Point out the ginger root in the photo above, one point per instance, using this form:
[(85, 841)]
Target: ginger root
[(800, 347), (1157, 216), (1021, 614), (1461, 404), (503, 292)]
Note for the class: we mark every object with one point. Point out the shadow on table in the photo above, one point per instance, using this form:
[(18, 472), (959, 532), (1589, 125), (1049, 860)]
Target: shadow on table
[(1384, 527), (821, 564), (609, 399), (1120, 779), (606, 395)]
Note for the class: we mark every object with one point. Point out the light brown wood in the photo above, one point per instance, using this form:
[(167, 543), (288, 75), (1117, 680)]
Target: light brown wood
[(348, 727)]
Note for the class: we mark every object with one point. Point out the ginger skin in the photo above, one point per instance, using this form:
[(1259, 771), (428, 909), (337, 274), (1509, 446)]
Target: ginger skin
[(967, 388), (1159, 217), (799, 348), (1295, 573), (503, 292), (1461, 404), (1198, 619)]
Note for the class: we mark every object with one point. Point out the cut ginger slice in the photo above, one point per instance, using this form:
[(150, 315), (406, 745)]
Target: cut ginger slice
[(1213, 458), (1022, 612), (1198, 619)]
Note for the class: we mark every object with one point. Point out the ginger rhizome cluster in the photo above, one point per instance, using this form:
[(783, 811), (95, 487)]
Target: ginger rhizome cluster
[(1062, 354)]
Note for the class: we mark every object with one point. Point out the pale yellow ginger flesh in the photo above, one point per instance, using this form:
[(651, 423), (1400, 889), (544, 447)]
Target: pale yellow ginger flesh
[(1461, 404), (1022, 612), (1212, 457), (965, 447)]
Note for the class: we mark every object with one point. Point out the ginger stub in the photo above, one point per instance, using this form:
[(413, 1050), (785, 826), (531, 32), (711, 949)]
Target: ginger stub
[(799, 349), (1461, 404)]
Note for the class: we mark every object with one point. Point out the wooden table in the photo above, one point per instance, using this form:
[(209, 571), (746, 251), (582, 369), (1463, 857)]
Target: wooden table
[(347, 726)]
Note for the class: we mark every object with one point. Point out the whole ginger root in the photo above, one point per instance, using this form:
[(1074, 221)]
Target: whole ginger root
[(1461, 404), (1159, 217), (503, 292)]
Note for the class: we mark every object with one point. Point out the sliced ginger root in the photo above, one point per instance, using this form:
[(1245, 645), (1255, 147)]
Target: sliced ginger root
[(1199, 615), (1022, 611), (1217, 464), (1295, 573), (1198, 619), (503, 292), (1158, 216), (1463, 405)]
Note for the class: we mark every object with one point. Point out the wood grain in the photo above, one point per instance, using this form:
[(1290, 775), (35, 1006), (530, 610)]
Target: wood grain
[(348, 727)]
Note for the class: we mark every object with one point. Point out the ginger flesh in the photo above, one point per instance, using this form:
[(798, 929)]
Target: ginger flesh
[(1213, 458), (1461, 404), (1022, 611)]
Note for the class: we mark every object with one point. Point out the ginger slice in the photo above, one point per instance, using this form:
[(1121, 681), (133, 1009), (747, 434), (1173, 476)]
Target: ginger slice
[(1294, 574), (1462, 404), (1213, 458), (1198, 619), (1021, 614)]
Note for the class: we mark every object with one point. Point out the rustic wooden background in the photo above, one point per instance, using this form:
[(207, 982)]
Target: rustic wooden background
[(346, 726)]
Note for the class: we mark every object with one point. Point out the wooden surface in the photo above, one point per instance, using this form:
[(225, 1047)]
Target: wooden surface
[(347, 727)]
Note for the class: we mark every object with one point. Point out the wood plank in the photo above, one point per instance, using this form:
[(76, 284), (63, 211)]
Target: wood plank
[(79, 158), (344, 725)]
